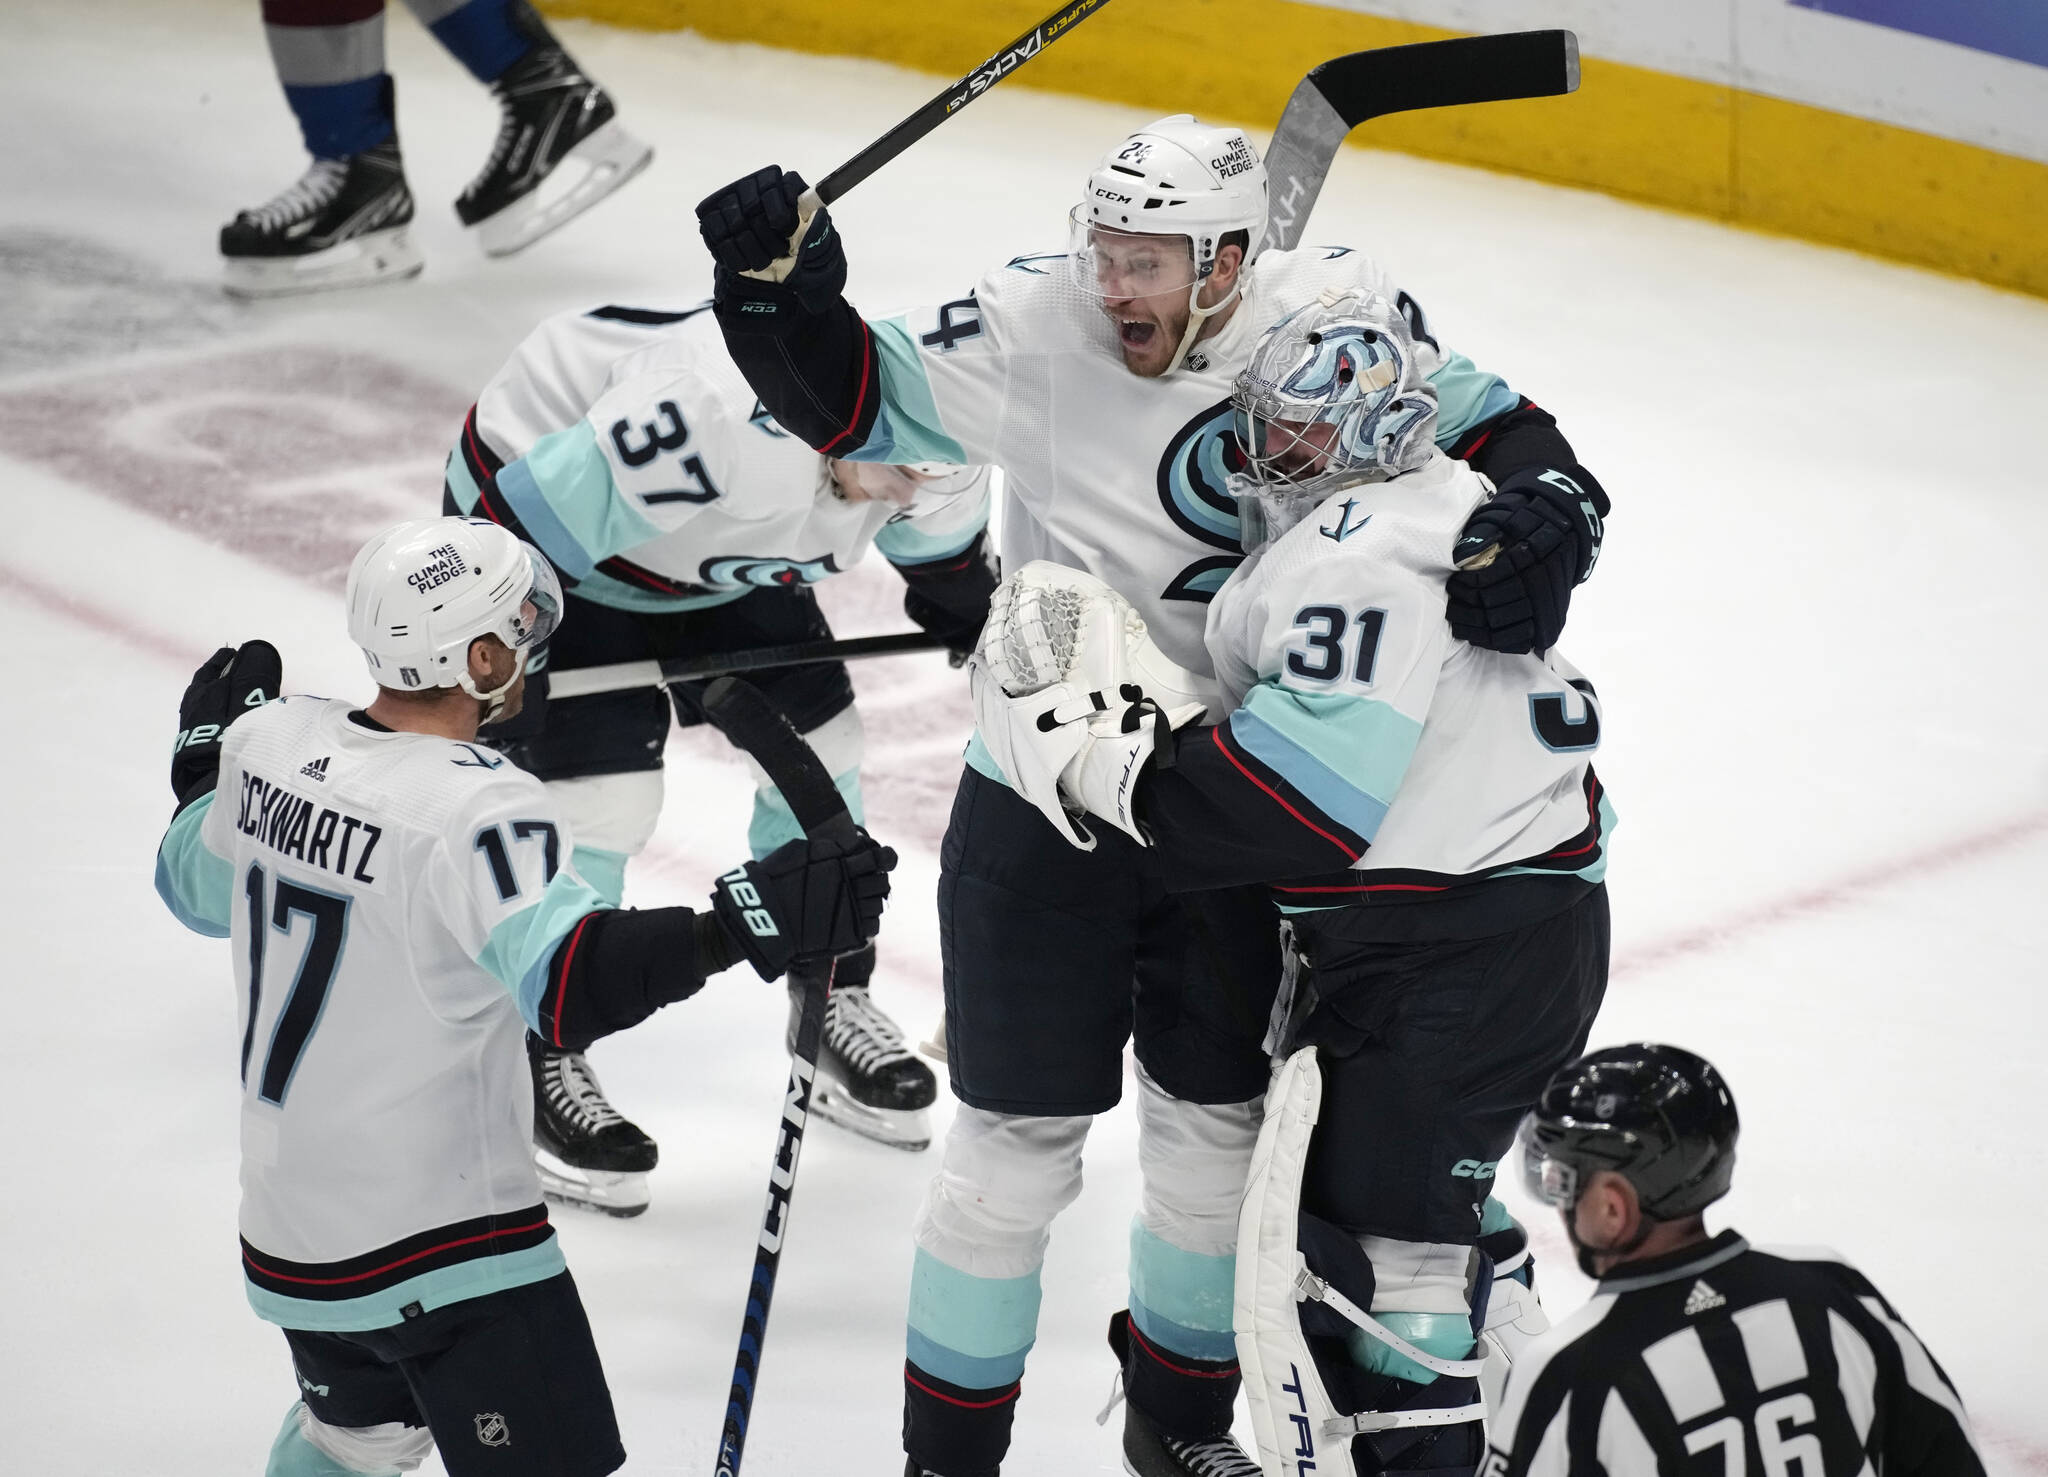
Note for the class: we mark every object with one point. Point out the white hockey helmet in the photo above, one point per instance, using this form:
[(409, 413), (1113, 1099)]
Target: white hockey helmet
[(1177, 177), (1333, 396), (420, 593)]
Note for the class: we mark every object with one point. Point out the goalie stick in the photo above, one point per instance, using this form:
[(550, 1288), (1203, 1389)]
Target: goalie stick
[(754, 724), (1345, 91), (619, 676)]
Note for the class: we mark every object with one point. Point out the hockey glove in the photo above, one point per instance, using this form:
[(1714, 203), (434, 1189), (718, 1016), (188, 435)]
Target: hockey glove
[(1519, 557), (809, 899), (774, 264), (950, 598), (230, 683)]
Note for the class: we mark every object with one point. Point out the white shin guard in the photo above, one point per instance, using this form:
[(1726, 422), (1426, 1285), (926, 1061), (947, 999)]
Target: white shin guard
[(1297, 1425), (612, 812)]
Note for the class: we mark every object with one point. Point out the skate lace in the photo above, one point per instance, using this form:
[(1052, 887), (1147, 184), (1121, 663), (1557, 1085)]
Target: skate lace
[(1218, 1456), (546, 68), (315, 188), (858, 1030), (572, 1091)]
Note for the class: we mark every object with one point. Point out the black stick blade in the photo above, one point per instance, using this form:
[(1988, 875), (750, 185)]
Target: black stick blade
[(745, 716)]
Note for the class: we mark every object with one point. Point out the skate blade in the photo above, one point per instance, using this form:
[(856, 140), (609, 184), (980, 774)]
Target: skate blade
[(586, 174), (376, 256), (906, 1129), (611, 1192)]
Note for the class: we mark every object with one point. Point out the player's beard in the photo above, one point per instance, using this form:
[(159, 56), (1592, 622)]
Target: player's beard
[(1148, 331)]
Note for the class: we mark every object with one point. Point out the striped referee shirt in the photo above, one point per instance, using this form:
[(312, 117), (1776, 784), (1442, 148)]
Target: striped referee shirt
[(1726, 1361)]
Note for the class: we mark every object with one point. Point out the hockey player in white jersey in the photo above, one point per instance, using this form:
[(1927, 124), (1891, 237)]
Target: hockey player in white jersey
[(683, 520), (1099, 379), (1429, 817), (403, 907)]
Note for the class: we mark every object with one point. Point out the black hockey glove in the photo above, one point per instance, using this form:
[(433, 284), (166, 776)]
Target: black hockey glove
[(809, 899), (747, 226), (949, 599), (230, 683), (1545, 527)]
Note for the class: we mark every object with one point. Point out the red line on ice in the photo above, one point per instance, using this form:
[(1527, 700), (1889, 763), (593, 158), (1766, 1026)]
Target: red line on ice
[(1850, 888), (94, 617)]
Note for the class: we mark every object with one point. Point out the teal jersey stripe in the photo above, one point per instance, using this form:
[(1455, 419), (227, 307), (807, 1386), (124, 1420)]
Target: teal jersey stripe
[(431, 1290), (972, 1331), (592, 584), (1467, 395), (1346, 754), (605, 871), (1181, 1300), (196, 885), (518, 950), (907, 428), (563, 491), (906, 543)]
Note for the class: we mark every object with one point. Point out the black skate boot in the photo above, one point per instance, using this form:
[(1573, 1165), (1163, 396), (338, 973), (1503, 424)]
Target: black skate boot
[(1197, 1394), (1150, 1453), (559, 149), (868, 1080), (586, 1152), (344, 223)]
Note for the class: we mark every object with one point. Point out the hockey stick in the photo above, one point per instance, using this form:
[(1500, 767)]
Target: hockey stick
[(924, 120), (619, 676), (947, 103), (1344, 92), (757, 726)]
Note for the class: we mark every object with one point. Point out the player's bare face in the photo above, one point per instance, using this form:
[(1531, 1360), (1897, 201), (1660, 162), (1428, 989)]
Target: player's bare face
[(1144, 282)]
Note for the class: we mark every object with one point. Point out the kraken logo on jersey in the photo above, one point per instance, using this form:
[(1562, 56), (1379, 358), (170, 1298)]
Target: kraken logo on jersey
[(766, 574), (1193, 490)]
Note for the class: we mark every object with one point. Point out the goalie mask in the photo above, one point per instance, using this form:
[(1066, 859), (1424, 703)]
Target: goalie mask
[(1333, 397), (420, 593)]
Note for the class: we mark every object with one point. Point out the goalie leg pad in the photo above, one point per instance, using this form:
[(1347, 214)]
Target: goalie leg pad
[(1303, 1290)]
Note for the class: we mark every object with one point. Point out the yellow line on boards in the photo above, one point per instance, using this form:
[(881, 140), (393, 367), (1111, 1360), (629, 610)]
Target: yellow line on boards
[(1694, 146)]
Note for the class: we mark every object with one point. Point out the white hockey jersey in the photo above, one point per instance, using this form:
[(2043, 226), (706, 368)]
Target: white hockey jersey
[(625, 444), (393, 900), (1103, 470), (1426, 763)]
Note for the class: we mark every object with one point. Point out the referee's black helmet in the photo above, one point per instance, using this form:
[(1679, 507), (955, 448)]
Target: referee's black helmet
[(1659, 1116)]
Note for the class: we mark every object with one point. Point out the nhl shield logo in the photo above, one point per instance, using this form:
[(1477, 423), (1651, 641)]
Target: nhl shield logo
[(491, 1429)]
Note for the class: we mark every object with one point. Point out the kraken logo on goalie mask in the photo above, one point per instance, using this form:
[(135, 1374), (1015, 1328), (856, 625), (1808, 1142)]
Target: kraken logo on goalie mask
[(1193, 490)]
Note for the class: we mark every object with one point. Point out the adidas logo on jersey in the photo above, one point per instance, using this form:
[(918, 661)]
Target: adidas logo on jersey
[(1701, 1298), (317, 769)]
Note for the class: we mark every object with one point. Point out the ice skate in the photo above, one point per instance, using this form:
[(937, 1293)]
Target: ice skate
[(868, 1081), (1148, 1453), (587, 1153), (559, 151), (346, 222)]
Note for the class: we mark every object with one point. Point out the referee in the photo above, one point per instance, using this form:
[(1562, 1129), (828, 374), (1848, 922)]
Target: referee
[(1698, 1353)]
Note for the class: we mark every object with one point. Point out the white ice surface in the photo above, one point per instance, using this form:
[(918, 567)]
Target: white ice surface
[(1811, 628)]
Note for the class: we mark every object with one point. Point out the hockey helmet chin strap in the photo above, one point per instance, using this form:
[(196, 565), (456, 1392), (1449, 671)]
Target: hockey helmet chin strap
[(493, 698), (1199, 315)]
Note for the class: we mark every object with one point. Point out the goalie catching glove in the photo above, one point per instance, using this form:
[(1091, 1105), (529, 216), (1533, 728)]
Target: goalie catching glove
[(1072, 698), (809, 899)]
